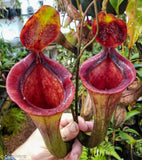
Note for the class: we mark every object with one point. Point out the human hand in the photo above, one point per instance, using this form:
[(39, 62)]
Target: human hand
[(34, 148)]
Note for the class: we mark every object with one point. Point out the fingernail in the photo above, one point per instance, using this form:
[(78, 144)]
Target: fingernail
[(74, 127), (76, 157)]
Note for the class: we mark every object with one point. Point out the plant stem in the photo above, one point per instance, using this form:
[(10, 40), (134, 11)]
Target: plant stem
[(76, 92), (2, 147), (77, 2), (114, 131), (123, 49), (113, 140), (72, 111), (129, 53), (2, 86), (131, 150), (82, 103), (79, 45), (80, 52), (104, 5)]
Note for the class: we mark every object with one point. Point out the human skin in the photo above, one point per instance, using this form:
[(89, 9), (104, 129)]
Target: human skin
[(35, 149)]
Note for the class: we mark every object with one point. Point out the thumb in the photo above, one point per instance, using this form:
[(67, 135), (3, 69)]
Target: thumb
[(70, 131)]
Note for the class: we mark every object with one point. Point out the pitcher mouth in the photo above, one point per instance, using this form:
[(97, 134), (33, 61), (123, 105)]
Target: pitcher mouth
[(107, 72), (40, 86)]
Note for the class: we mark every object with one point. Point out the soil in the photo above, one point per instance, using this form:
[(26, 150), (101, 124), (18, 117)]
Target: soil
[(16, 140)]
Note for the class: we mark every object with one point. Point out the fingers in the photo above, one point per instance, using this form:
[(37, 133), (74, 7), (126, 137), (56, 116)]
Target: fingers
[(82, 124), (76, 151), (85, 126), (65, 120), (70, 131), (90, 126)]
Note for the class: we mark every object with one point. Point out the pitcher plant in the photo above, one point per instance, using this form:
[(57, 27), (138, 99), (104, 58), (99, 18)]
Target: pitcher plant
[(105, 76), (43, 88)]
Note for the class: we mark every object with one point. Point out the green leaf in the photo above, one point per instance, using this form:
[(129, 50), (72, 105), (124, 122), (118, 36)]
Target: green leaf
[(118, 148), (98, 157), (13, 121), (127, 137), (139, 72), (139, 140), (71, 37), (106, 148), (134, 25), (115, 4), (2, 148), (131, 114), (136, 55), (138, 65), (131, 131)]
